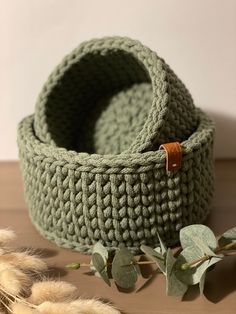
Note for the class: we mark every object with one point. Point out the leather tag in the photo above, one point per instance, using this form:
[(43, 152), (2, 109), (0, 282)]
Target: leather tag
[(173, 155)]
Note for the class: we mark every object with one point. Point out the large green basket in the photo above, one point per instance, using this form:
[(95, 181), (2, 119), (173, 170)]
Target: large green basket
[(90, 156)]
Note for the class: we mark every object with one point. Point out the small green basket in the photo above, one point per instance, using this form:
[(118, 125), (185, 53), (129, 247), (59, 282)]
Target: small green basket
[(113, 95)]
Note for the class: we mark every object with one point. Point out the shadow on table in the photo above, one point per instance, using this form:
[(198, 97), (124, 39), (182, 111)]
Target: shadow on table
[(56, 272), (221, 281), (191, 294)]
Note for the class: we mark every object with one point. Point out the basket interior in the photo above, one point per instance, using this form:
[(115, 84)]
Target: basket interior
[(100, 103)]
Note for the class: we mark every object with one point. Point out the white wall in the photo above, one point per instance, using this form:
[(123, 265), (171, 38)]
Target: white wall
[(196, 37)]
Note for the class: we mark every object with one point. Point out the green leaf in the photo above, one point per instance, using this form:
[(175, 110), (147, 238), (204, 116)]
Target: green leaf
[(192, 275), (174, 287), (124, 272), (155, 256), (100, 266), (202, 282), (203, 247), (228, 237), (187, 235), (162, 245), (100, 249), (212, 261), (158, 249)]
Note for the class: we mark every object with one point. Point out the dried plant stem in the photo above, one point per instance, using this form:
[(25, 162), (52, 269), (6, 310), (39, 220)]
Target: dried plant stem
[(186, 265), (110, 264), (145, 263), (226, 247), (230, 253), (6, 306), (12, 298), (195, 261)]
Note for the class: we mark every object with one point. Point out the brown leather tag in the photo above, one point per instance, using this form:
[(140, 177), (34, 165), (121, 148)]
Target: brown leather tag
[(173, 155)]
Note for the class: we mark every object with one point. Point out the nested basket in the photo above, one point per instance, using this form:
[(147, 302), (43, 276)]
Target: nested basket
[(90, 156), (113, 95)]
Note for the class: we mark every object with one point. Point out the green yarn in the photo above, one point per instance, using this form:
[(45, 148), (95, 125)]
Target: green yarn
[(113, 95), (120, 200), (91, 165)]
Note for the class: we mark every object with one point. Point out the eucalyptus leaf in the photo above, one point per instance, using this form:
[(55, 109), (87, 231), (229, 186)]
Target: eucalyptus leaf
[(187, 235), (174, 287), (202, 282), (212, 261), (155, 256), (203, 247), (100, 249), (162, 245), (158, 249), (228, 237), (192, 275), (100, 266), (124, 272)]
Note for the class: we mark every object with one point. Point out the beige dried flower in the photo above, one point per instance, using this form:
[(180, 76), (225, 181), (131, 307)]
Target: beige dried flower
[(93, 306), (24, 261), (54, 291), (14, 281), (77, 307), (58, 308), (45, 297), (19, 308), (6, 236)]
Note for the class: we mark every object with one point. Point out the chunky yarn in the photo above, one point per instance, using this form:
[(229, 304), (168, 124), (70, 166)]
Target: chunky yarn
[(113, 95), (90, 156)]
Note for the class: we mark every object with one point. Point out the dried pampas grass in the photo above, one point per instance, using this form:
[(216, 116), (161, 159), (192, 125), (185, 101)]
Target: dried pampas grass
[(94, 307), (25, 261), (20, 294), (19, 308), (6, 236), (14, 281), (54, 291)]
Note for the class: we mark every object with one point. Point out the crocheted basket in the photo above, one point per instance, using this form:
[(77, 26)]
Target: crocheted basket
[(113, 95), (90, 156)]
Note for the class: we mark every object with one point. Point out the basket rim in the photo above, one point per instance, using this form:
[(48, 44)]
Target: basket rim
[(29, 143)]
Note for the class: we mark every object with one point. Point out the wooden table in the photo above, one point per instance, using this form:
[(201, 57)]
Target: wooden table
[(220, 292)]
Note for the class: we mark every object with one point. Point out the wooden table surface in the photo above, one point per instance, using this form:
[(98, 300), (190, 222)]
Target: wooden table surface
[(220, 292)]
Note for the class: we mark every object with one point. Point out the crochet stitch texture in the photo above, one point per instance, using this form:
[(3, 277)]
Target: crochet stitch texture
[(90, 156)]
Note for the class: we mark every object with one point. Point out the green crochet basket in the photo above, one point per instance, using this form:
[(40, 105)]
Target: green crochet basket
[(113, 95), (90, 156)]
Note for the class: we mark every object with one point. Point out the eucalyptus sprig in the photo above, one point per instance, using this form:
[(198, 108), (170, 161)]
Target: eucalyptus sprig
[(200, 251)]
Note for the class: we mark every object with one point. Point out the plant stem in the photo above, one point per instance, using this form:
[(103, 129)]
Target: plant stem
[(110, 264), (195, 261), (186, 265), (230, 253), (226, 247), (145, 263), (18, 298), (206, 257)]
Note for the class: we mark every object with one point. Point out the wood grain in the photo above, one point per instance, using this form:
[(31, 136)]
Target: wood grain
[(220, 293)]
